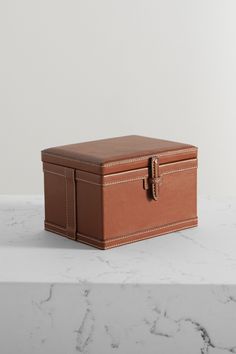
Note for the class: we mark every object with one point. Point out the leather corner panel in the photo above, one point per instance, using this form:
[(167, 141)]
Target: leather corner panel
[(60, 200)]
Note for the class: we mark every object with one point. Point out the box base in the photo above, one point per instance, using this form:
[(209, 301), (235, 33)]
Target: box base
[(126, 239)]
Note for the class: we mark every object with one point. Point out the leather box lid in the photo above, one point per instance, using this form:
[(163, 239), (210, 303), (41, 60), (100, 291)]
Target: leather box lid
[(117, 154)]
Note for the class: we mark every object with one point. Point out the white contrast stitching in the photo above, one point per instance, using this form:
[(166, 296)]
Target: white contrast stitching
[(133, 179), (146, 237), (140, 232), (137, 239), (56, 231), (178, 162), (113, 163), (54, 225), (180, 170), (126, 180), (174, 152), (90, 182), (115, 182), (67, 224), (70, 159), (54, 173), (91, 244), (154, 185)]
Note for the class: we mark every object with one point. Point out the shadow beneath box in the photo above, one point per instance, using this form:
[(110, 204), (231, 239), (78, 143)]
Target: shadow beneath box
[(45, 239)]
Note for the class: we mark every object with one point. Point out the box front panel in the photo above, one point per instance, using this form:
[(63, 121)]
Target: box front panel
[(129, 208)]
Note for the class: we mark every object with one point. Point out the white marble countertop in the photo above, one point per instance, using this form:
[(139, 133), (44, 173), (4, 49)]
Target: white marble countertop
[(202, 255)]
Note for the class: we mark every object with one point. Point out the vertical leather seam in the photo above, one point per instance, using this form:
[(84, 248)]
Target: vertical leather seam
[(102, 210), (66, 201), (70, 203), (74, 203)]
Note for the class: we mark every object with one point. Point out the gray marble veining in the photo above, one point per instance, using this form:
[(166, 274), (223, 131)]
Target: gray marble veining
[(171, 294)]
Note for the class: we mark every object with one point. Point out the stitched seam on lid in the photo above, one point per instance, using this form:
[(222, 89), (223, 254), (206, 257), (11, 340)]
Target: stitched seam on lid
[(138, 158), (135, 159), (70, 159)]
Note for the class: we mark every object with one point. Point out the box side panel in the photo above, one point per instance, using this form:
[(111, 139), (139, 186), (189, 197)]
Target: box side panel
[(89, 207), (59, 194)]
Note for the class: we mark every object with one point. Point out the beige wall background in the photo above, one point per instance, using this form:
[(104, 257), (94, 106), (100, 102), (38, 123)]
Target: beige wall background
[(78, 70)]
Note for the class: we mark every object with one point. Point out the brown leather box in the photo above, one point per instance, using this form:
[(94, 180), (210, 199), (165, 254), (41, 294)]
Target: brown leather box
[(111, 192)]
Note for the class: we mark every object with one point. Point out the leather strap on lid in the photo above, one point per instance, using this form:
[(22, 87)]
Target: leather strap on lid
[(154, 179)]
